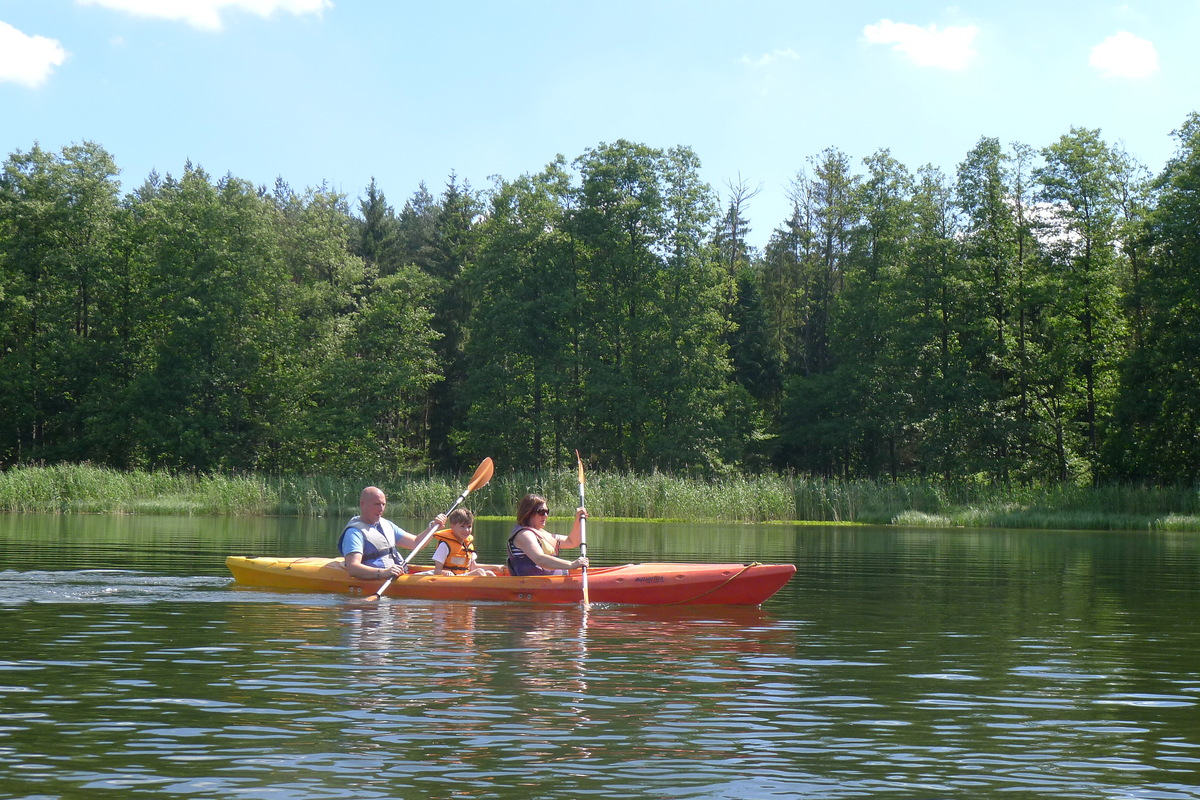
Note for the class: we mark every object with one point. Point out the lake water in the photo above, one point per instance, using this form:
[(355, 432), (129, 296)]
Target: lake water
[(898, 663)]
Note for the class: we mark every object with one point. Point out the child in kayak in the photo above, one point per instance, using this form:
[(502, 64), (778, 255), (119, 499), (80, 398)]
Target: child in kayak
[(369, 541), (455, 553)]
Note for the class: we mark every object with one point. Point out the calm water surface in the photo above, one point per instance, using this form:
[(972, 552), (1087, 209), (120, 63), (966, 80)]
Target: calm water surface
[(897, 664)]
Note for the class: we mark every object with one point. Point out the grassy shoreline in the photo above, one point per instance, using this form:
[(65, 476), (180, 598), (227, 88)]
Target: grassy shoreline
[(84, 488)]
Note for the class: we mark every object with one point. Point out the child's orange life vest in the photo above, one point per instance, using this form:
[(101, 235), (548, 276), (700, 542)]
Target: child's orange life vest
[(461, 555)]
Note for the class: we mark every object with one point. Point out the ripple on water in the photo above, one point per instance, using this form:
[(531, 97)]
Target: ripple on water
[(156, 687)]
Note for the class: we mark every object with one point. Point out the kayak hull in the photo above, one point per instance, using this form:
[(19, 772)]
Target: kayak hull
[(635, 584)]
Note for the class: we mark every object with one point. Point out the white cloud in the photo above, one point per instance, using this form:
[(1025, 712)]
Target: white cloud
[(206, 14), (949, 48), (27, 60), (1124, 55), (770, 58)]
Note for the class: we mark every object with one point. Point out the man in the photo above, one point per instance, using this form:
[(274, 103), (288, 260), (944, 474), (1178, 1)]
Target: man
[(369, 541)]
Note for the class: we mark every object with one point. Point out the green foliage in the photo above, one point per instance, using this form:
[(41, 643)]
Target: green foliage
[(522, 352), (610, 495), (369, 399), (1078, 182), (1030, 320), (60, 299), (973, 329), (1157, 425), (596, 320)]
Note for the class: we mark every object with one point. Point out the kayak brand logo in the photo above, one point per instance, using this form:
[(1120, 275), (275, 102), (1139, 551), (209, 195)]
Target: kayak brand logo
[(650, 579)]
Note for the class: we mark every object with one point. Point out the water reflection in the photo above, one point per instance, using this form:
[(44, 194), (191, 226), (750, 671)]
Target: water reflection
[(529, 689), (898, 663)]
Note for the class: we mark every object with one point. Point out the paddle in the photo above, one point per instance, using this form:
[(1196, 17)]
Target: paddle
[(582, 529), (483, 474)]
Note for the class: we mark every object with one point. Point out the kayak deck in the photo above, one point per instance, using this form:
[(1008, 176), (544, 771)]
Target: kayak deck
[(638, 584)]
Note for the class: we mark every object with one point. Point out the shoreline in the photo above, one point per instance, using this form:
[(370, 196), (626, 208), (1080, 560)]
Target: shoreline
[(617, 497)]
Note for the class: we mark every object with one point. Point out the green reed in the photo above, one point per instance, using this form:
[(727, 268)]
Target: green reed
[(84, 488)]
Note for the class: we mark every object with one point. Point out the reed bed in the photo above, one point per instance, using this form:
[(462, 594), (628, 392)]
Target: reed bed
[(85, 488)]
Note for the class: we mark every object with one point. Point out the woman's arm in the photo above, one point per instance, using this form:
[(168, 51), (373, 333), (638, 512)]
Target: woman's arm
[(576, 536), (529, 544)]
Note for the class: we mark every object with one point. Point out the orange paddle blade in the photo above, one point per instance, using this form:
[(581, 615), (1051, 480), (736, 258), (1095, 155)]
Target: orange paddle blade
[(483, 474)]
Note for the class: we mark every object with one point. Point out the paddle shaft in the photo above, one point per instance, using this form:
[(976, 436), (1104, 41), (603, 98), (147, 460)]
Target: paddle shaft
[(483, 474), (582, 530), (406, 560)]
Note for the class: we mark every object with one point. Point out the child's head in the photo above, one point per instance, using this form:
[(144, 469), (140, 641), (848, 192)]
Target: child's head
[(460, 519)]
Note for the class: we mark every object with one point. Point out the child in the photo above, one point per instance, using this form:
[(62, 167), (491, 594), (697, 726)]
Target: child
[(455, 553)]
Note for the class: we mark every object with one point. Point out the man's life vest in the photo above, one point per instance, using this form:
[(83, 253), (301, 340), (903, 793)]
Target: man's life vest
[(379, 549), (461, 554)]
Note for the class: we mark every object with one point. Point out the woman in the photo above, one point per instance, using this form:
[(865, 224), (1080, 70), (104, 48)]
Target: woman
[(533, 550)]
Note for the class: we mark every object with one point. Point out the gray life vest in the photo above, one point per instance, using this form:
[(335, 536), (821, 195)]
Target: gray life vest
[(379, 549)]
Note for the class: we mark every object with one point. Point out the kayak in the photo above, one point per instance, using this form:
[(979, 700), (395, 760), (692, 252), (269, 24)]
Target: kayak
[(635, 584)]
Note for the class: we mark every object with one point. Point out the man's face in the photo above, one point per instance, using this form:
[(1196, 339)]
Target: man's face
[(372, 506)]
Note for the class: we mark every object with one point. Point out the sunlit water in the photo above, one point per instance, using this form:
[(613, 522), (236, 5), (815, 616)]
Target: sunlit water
[(897, 664)]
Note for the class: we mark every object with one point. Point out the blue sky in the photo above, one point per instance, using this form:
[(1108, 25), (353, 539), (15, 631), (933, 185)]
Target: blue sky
[(340, 91)]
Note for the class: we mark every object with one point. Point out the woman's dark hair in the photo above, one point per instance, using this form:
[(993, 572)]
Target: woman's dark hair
[(529, 504)]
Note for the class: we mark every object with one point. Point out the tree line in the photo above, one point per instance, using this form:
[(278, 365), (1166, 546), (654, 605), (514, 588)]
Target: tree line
[(1032, 318)]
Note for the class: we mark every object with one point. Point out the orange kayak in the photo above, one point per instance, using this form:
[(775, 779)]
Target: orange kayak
[(636, 584)]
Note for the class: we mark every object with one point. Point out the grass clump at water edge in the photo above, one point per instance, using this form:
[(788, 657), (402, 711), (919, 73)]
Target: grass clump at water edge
[(85, 488)]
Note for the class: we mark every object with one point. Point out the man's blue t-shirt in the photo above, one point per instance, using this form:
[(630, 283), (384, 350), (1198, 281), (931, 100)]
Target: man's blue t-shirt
[(352, 540)]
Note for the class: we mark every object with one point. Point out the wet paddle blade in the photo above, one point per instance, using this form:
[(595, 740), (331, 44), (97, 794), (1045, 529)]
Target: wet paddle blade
[(379, 592)]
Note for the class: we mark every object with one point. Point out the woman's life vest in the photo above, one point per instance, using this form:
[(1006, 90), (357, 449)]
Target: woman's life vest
[(519, 562), (379, 549), (461, 554)]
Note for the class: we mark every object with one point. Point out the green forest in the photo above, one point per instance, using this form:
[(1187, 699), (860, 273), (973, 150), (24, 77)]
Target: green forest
[(1033, 319)]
